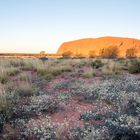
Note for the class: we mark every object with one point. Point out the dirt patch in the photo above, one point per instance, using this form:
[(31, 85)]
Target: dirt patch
[(69, 117)]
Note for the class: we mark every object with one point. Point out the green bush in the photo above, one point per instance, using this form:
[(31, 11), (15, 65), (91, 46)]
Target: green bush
[(134, 67), (7, 103), (3, 79), (97, 64), (43, 59)]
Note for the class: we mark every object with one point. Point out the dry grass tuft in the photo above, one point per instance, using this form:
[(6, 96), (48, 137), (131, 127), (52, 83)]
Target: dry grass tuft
[(25, 89), (89, 73), (111, 67), (4, 104)]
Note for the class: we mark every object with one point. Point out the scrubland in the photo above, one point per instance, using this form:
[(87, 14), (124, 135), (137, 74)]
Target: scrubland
[(69, 99)]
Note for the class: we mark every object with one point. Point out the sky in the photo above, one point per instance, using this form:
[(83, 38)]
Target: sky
[(31, 26)]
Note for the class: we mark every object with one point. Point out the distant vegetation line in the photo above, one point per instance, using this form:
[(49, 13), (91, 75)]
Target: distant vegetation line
[(28, 55)]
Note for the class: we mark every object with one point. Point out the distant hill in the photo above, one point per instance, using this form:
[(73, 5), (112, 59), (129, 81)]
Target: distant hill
[(85, 46)]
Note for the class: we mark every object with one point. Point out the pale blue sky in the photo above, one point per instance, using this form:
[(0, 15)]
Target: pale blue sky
[(35, 25)]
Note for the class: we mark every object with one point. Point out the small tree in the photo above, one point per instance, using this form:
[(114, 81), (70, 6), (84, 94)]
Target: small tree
[(67, 54), (131, 53), (92, 54), (101, 53), (134, 66), (111, 52), (42, 52)]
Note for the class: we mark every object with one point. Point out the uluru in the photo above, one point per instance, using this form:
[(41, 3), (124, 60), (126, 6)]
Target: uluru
[(84, 46)]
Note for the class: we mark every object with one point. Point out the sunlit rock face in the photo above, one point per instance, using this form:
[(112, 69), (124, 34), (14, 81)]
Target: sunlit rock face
[(85, 46)]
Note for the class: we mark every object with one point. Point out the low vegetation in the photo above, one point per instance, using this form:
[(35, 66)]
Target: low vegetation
[(110, 52), (25, 89), (134, 66), (131, 53), (111, 68), (70, 99), (97, 64)]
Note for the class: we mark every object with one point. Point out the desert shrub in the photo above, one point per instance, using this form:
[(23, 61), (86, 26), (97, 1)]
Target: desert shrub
[(5, 62), (12, 71), (111, 68), (134, 66), (16, 62), (43, 59), (110, 52), (123, 127), (32, 64), (25, 89), (44, 130), (67, 54), (88, 74), (131, 53), (44, 103), (124, 63), (66, 84), (53, 71), (3, 75), (7, 69), (92, 54), (92, 115), (97, 64), (117, 129), (4, 103), (3, 78), (115, 125), (64, 97), (64, 68), (35, 106), (2, 121), (79, 62), (117, 103), (43, 71), (7, 102), (11, 62), (5, 72), (48, 73), (92, 95), (24, 77), (89, 132), (79, 56)]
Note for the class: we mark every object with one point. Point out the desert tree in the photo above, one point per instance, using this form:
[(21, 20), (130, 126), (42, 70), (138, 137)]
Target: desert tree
[(110, 52), (131, 53), (67, 54), (79, 55), (42, 54), (92, 54)]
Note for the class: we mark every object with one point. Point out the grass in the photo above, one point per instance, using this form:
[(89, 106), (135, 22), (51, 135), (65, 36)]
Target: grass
[(6, 72), (51, 71), (25, 89), (32, 64), (111, 68), (89, 73), (24, 76), (97, 64), (4, 103), (74, 84), (7, 69), (3, 76), (134, 66)]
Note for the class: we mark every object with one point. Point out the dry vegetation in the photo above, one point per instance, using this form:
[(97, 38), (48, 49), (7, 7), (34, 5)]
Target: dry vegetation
[(70, 99)]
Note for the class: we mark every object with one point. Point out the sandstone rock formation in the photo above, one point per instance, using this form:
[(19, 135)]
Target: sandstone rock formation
[(85, 46)]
